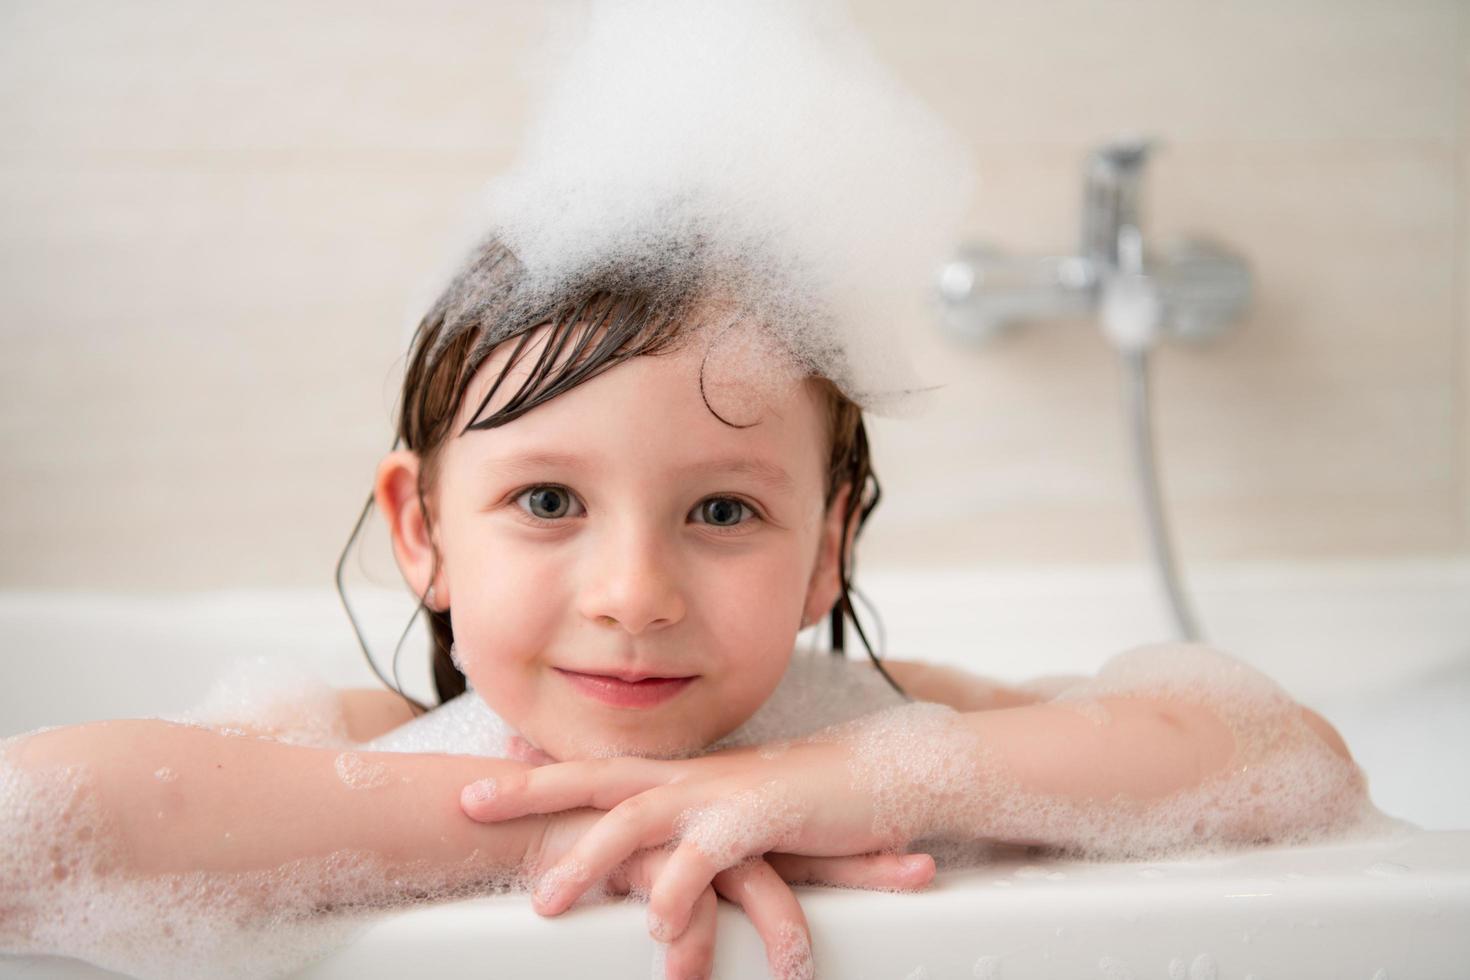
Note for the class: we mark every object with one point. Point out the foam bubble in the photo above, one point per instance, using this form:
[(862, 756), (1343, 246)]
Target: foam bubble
[(987, 968), (1203, 968), (930, 775), (752, 821), (774, 750), (549, 881), (758, 151), (273, 696), (915, 763), (359, 773), (791, 956), (67, 891)]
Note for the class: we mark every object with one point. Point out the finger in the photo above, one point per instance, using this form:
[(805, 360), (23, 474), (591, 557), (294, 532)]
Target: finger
[(880, 872), (678, 886), (642, 821), (776, 915), (693, 953), (600, 783)]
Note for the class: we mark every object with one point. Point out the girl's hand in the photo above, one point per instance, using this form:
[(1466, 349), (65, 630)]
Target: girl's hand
[(759, 886), (722, 808)]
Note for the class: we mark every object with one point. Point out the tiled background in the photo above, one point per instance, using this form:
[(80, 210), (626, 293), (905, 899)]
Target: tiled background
[(220, 221)]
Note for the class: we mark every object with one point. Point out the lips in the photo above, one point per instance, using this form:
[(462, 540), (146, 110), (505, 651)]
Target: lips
[(626, 689)]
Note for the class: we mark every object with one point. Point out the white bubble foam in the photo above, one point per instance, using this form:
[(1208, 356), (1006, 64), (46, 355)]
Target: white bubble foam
[(273, 696), (791, 956), (915, 763), (987, 968), (929, 775), (749, 822), (359, 773), (68, 891), (774, 750), (572, 871), (1202, 967), (758, 150), (463, 725)]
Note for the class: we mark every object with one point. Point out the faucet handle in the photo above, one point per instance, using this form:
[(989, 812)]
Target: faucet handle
[(1113, 176), (1205, 287)]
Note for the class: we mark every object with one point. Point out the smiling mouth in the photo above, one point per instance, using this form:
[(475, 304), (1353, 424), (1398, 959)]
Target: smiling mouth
[(626, 690)]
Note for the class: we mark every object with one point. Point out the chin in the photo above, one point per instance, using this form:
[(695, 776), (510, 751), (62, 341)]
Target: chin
[(609, 745)]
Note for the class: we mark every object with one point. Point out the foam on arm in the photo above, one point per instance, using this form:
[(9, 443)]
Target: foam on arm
[(163, 849), (1171, 748)]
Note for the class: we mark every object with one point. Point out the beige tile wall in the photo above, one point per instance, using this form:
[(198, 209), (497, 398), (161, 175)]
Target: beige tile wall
[(221, 219)]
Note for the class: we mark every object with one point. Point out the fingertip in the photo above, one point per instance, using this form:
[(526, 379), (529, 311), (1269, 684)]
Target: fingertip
[(919, 868), (546, 906), (477, 799), (660, 928), (552, 895)]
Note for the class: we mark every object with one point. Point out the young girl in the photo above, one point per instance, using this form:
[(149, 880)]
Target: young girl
[(619, 504), (621, 571)]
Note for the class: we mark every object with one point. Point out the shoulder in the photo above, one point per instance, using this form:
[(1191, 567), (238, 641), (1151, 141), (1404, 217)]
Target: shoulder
[(369, 712), (957, 688)]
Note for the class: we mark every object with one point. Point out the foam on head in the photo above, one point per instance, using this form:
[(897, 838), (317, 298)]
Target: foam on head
[(757, 152)]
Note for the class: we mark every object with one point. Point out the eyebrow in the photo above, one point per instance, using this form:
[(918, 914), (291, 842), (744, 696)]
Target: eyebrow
[(760, 470)]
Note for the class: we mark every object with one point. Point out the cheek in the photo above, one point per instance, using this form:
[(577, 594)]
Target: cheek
[(754, 609), (505, 611)]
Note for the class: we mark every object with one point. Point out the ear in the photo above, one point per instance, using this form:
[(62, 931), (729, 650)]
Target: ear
[(826, 584), (395, 490)]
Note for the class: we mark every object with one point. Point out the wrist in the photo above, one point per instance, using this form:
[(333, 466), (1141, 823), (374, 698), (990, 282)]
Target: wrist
[(918, 765)]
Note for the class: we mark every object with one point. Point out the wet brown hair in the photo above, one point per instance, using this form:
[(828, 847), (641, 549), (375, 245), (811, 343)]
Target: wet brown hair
[(607, 318)]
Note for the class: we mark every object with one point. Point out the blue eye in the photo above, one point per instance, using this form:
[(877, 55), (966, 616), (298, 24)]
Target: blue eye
[(548, 503), (723, 511)]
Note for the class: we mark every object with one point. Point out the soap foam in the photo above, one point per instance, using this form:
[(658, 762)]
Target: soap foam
[(273, 696), (930, 776), (359, 773), (64, 891), (757, 153), (750, 822), (791, 957)]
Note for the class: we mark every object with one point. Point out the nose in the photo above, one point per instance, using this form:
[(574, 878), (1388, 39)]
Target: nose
[(632, 582)]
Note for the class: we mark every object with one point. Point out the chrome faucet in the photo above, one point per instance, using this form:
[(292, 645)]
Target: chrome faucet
[(1192, 293)]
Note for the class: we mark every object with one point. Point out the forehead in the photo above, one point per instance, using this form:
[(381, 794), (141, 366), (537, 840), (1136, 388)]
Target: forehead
[(672, 397)]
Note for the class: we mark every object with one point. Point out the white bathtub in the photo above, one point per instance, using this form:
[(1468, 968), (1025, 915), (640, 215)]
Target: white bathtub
[(1382, 650)]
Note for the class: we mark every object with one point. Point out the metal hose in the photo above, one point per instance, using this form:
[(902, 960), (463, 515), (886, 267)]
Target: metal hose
[(1139, 412)]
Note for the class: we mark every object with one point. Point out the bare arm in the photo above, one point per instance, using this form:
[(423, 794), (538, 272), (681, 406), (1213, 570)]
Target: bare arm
[(1060, 732), (181, 798), (1104, 766)]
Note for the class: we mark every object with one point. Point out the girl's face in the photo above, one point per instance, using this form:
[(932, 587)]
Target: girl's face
[(626, 573)]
